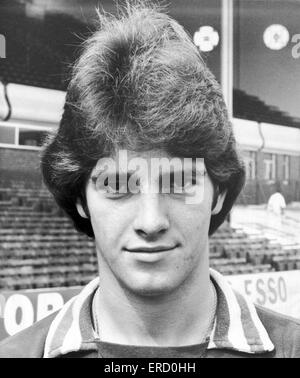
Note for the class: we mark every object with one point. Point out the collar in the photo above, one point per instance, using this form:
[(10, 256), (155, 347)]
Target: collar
[(236, 326)]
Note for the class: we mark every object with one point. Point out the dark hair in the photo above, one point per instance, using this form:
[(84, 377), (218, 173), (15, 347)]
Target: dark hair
[(140, 83)]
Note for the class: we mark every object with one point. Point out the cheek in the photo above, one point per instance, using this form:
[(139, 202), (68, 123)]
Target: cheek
[(106, 225), (194, 227), (195, 219), (109, 221), (101, 218)]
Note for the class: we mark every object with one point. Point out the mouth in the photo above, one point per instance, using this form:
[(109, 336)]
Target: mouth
[(154, 249)]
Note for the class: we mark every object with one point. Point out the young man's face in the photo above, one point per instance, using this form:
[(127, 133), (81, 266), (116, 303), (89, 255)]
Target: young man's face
[(153, 239)]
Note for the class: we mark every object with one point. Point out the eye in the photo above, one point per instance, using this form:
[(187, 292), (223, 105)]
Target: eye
[(112, 186), (178, 187), (180, 184), (117, 187)]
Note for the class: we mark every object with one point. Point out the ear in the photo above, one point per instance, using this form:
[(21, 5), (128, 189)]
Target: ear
[(80, 209), (219, 203)]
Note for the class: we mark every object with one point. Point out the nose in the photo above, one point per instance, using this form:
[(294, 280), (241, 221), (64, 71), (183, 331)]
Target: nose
[(151, 220)]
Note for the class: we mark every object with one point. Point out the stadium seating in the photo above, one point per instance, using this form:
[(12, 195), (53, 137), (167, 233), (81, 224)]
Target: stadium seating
[(234, 252), (252, 108), (39, 246)]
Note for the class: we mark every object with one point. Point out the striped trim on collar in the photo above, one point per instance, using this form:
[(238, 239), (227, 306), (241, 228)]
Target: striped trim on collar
[(236, 326), (72, 329)]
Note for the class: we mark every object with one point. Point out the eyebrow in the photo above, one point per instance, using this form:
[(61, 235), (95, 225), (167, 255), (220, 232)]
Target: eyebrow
[(192, 171), (108, 173), (184, 174)]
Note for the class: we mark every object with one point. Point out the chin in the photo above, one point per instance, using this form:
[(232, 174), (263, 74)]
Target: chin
[(152, 289)]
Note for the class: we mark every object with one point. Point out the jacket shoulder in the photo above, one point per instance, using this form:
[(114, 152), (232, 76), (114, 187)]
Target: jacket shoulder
[(28, 343), (284, 332)]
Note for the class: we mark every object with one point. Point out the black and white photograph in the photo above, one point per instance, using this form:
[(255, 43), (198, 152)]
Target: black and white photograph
[(149, 181)]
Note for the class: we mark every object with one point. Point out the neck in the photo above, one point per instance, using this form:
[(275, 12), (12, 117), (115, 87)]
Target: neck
[(166, 320)]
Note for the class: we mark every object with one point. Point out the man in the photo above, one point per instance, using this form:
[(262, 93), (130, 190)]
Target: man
[(141, 94), (276, 204)]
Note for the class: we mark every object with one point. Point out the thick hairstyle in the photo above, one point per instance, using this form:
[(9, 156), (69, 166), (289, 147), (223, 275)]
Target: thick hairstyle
[(140, 83)]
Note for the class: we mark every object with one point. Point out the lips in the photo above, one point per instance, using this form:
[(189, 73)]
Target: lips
[(154, 249)]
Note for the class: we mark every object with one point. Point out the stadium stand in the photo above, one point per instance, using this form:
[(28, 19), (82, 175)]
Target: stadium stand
[(39, 247), (38, 244), (41, 51), (252, 108)]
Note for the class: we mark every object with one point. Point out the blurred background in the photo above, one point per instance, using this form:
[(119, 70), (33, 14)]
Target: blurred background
[(253, 49)]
